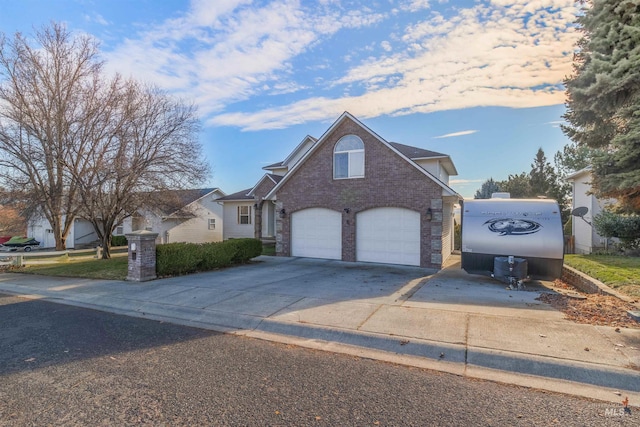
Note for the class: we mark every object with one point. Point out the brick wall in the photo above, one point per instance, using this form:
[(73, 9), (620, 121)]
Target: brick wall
[(141, 261), (389, 181), (580, 281)]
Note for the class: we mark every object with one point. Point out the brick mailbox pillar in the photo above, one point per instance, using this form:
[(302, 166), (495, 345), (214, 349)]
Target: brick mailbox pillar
[(142, 256)]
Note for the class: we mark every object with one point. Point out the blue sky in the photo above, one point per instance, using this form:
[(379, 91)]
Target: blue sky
[(478, 80)]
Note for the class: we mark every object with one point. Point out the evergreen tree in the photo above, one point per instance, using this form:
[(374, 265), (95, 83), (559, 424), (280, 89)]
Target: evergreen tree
[(572, 158), (603, 98), (488, 188), (541, 181), (542, 175)]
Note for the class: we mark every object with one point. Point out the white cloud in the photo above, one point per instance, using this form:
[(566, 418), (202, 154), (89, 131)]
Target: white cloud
[(97, 18), (517, 58), (234, 49), (454, 134), (511, 53), (414, 5)]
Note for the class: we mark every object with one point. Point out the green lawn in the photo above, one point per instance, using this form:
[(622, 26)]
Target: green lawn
[(114, 268), (618, 272)]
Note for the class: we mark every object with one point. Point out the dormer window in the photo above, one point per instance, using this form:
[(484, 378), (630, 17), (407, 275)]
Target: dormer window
[(348, 158)]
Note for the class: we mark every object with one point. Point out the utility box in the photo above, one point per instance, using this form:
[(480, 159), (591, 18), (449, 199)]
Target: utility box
[(142, 256)]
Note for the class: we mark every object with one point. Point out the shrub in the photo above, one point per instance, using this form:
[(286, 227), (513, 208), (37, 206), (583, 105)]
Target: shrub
[(245, 249), (457, 237), (216, 255), (173, 259), (624, 227), (118, 241), (568, 227)]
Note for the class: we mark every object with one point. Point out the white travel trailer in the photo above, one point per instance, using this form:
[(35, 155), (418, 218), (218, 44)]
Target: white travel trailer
[(516, 231)]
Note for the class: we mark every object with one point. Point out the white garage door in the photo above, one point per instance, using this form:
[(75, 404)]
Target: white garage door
[(388, 235), (316, 233)]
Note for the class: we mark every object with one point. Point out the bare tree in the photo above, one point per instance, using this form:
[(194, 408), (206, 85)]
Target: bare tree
[(13, 213), (81, 145), (49, 108), (152, 147)]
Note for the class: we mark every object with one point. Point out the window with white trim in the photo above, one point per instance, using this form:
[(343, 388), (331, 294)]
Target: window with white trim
[(348, 158), (244, 214), (212, 223), (119, 230)]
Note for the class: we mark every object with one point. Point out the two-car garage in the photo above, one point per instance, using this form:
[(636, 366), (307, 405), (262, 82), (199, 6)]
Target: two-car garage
[(386, 235)]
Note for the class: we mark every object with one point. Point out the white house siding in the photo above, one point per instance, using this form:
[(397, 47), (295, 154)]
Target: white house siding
[(195, 230), (232, 229), (586, 239), (447, 230), (172, 230), (83, 233), (300, 152), (40, 229), (434, 168)]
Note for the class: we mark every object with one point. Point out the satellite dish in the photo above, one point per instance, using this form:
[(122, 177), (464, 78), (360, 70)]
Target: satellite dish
[(581, 211)]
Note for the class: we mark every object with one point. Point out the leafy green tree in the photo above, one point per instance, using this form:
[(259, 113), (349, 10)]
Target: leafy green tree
[(603, 98), (624, 227), (518, 186), (487, 189)]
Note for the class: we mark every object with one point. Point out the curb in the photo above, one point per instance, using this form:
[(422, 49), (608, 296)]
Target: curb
[(565, 376)]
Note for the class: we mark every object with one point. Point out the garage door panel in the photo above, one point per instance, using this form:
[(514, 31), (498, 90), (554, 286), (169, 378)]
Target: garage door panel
[(316, 233), (388, 235)]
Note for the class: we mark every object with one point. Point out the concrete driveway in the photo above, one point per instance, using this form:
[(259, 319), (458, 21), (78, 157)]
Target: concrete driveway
[(447, 320)]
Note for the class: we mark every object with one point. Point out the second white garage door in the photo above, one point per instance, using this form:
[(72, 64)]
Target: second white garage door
[(388, 235), (316, 233)]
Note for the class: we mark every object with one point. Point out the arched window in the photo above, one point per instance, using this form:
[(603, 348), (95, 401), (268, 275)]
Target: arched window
[(348, 158)]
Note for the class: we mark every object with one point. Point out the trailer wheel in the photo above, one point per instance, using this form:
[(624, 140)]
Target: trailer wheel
[(27, 249)]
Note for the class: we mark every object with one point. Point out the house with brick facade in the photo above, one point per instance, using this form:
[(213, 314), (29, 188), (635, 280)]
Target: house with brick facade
[(351, 195)]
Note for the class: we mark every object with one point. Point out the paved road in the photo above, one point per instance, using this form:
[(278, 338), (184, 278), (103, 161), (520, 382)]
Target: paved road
[(64, 365)]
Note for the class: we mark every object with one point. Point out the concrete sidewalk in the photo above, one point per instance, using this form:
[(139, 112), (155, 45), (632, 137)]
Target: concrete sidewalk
[(449, 321)]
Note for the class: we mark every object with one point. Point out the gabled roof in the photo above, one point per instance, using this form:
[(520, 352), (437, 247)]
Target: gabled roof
[(270, 176), (274, 165), (416, 153), (242, 195), (174, 202), (346, 115), (576, 174), (296, 151)]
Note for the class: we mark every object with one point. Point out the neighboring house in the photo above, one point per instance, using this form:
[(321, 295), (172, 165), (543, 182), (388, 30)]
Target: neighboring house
[(183, 216), (586, 238), (81, 234), (353, 196)]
